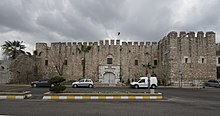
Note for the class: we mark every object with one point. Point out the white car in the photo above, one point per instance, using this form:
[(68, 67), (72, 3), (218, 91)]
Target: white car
[(143, 82), (83, 83)]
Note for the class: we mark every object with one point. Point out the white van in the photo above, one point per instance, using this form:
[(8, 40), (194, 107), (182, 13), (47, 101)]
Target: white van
[(143, 82)]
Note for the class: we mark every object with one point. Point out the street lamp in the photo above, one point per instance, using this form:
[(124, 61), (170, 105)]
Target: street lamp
[(148, 66)]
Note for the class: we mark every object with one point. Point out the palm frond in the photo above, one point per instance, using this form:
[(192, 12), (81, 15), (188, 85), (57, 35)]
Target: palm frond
[(79, 50), (13, 48)]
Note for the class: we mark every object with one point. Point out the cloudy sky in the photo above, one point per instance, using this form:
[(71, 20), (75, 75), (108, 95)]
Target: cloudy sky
[(49, 21)]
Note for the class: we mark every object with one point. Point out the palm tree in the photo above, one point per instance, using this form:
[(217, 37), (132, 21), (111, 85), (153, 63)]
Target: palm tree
[(85, 49), (13, 49)]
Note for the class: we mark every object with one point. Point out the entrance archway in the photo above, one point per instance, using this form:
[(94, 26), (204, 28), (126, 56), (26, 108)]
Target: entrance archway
[(109, 78)]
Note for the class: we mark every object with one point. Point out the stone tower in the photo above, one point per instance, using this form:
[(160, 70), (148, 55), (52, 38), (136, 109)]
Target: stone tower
[(187, 58)]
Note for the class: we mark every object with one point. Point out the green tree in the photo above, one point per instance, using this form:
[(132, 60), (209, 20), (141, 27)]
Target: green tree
[(58, 59), (58, 87), (13, 48), (84, 49), (148, 67)]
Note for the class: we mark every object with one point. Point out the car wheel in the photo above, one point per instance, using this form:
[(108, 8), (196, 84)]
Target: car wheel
[(153, 86), (136, 86), (74, 86), (34, 85), (90, 86)]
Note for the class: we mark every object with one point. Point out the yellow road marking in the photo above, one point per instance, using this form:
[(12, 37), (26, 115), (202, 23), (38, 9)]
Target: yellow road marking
[(11, 97)]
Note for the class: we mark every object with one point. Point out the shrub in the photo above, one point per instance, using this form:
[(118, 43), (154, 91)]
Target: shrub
[(128, 82), (164, 82), (57, 86), (57, 89), (56, 80), (159, 82)]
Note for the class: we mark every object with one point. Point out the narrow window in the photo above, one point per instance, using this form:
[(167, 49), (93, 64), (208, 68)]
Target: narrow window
[(218, 60), (46, 62), (136, 62), (203, 60), (186, 60), (109, 60), (65, 62), (155, 62)]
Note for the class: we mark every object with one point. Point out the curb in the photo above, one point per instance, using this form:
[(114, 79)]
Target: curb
[(15, 95), (102, 97), (88, 96)]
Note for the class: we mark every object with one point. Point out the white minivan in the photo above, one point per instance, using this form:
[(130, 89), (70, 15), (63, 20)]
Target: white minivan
[(143, 83)]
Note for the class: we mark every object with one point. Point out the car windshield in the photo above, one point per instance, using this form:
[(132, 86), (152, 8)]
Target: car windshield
[(213, 81), (81, 80)]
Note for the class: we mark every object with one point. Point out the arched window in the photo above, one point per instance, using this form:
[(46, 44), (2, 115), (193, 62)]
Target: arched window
[(46, 62), (109, 59), (136, 61)]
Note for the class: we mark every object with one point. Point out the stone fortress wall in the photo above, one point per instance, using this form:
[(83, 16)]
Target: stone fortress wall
[(185, 58)]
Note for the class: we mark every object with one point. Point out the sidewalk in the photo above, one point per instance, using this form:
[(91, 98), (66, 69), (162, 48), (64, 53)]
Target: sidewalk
[(13, 87)]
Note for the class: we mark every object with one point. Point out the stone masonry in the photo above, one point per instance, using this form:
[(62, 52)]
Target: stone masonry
[(187, 58), (179, 60)]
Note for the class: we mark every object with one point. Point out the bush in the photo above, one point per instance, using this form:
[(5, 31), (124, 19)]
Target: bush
[(164, 82), (159, 82), (128, 82), (57, 89), (56, 80)]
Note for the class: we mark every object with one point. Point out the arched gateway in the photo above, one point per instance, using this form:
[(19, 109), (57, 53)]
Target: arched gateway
[(109, 74), (109, 78)]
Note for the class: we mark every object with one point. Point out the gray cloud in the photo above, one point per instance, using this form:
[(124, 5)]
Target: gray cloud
[(92, 20)]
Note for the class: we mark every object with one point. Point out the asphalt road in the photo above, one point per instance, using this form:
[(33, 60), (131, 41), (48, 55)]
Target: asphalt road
[(180, 102)]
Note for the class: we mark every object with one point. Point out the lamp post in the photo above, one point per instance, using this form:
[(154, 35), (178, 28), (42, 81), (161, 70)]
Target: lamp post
[(148, 67), (148, 79), (83, 66)]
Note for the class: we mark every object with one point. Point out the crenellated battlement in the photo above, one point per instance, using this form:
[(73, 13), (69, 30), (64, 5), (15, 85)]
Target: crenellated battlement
[(188, 39), (191, 34), (171, 35), (182, 34), (200, 34), (40, 45), (101, 42), (106, 42)]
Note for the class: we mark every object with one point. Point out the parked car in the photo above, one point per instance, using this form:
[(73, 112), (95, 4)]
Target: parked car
[(213, 83), (83, 83), (143, 83), (41, 83)]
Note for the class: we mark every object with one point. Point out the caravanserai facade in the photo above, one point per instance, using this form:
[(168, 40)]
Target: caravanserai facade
[(184, 58)]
